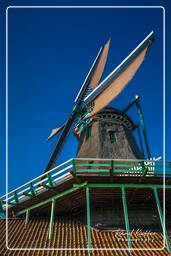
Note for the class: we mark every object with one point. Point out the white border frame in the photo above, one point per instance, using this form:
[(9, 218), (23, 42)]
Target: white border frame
[(63, 7)]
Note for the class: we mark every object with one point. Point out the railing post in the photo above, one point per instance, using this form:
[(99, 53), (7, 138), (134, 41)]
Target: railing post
[(111, 167), (161, 219), (32, 190), (50, 180), (126, 218), (27, 217), (88, 218), (52, 219), (16, 197), (73, 167)]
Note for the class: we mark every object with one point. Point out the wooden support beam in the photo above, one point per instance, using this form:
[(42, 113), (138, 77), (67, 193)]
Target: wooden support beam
[(50, 199), (27, 217), (143, 127), (88, 219), (52, 216), (165, 234), (126, 218)]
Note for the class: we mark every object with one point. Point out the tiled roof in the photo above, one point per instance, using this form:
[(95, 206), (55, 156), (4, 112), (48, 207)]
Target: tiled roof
[(69, 233)]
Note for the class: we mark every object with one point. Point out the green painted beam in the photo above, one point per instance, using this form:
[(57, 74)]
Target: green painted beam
[(126, 218), (50, 199), (161, 219), (27, 217), (140, 139), (143, 127), (133, 101), (88, 218), (84, 164), (52, 216), (126, 185)]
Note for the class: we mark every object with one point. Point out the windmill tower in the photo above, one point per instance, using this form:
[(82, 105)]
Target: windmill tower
[(109, 135)]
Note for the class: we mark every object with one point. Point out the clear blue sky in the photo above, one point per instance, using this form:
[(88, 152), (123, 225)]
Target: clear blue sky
[(50, 53)]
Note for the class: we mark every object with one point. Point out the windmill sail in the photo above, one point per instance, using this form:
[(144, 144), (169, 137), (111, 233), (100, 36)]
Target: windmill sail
[(61, 142), (119, 78), (100, 66), (95, 73), (55, 131)]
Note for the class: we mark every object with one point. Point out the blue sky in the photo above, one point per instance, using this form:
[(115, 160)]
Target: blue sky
[(50, 53)]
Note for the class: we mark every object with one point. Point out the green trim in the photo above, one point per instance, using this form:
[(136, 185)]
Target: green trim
[(161, 219), (50, 199), (126, 185), (91, 170), (52, 216), (88, 217), (126, 217), (82, 164)]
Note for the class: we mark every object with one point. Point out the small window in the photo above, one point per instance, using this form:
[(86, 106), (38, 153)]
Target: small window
[(112, 136), (88, 135)]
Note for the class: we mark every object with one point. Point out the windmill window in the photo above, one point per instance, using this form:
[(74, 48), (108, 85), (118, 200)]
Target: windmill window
[(112, 136), (88, 135)]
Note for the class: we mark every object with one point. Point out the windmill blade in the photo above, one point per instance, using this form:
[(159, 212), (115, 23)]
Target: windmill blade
[(55, 131), (96, 70), (100, 66), (61, 141), (95, 73), (119, 78)]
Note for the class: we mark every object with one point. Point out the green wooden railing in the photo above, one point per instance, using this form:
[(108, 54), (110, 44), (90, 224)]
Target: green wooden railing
[(81, 167)]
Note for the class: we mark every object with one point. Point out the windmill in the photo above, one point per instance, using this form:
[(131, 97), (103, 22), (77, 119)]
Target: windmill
[(94, 96)]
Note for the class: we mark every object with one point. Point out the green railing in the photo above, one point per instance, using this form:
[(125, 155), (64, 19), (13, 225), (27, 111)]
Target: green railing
[(85, 167), (40, 184), (121, 167)]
